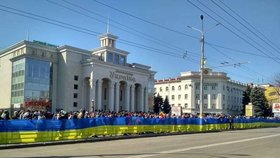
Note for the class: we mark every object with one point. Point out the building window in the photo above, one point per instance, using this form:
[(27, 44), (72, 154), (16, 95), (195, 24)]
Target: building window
[(214, 96), (173, 88), (166, 88), (75, 95), (110, 57), (213, 87), (117, 58), (186, 105), (179, 105), (197, 87), (75, 86), (179, 97), (122, 60), (186, 96), (205, 96), (172, 97), (197, 96), (205, 87), (160, 89), (75, 104), (186, 86), (224, 97), (179, 88), (76, 77)]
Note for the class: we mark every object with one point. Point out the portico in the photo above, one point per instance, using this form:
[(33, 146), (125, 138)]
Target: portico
[(117, 95)]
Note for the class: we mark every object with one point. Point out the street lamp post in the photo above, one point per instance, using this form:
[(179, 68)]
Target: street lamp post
[(202, 67), (202, 62)]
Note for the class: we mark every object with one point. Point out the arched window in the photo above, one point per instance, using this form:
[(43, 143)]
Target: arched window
[(179, 88), (186, 86), (173, 88)]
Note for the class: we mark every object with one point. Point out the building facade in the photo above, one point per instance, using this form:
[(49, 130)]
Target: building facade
[(38, 75), (221, 95)]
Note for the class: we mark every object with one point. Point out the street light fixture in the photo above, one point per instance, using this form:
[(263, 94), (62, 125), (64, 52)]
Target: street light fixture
[(202, 66)]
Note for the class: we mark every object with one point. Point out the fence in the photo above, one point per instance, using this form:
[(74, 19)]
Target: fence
[(30, 131)]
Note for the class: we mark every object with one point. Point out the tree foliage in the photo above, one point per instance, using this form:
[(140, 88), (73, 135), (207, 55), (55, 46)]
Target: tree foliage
[(166, 106), (246, 98), (158, 101), (259, 101)]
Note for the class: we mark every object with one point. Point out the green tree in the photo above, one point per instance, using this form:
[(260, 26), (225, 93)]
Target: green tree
[(166, 106), (259, 101), (157, 103), (246, 98)]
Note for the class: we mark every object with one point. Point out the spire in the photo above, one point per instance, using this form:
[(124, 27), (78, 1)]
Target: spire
[(108, 25)]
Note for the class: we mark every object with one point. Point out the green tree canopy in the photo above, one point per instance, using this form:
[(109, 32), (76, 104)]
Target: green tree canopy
[(246, 98), (166, 106), (259, 101), (158, 101)]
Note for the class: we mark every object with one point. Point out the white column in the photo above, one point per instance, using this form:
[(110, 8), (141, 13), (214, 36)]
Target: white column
[(99, 92), (111, 96), (117, 96), (127, 94), (209, 101), (132, 98), (92, 83), (141, 98), (146, 100)]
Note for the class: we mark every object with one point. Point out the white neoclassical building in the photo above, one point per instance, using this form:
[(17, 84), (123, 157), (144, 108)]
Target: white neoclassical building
[(42, 75), (221, 95)]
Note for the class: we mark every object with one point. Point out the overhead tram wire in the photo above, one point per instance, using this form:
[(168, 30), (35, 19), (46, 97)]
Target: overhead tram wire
[(73, 27), (49, 22), (256, 30), (146, 21), (245, 26), (238, 51), (233, 32), (140, 34), (174, 31), (258, 44), (150, 38), (249, 70)]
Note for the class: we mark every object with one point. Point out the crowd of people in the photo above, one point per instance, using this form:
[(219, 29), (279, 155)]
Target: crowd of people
[(38, 115)]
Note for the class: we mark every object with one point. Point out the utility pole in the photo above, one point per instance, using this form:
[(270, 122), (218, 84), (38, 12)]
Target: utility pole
[(202, 66)]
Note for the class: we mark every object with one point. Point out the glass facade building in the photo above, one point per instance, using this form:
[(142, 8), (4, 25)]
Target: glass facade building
[(31, 80)]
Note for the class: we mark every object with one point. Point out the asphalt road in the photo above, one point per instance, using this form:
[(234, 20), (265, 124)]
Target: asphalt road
[(255, 143)]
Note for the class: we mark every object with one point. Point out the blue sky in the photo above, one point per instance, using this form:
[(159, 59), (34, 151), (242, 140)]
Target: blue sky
[(155, 32)]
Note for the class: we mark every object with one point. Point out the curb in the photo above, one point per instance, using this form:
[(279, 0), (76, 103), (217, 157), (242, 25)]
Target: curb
[(96, 139)]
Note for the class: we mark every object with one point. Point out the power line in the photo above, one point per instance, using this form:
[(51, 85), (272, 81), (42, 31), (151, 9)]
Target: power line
[(78, 29), (233, 32), (236, 50), (49, 22), (150, 38), (146, 21), (258, 44), (249, 70), (245, 26), (275, 46), (174, 31)]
